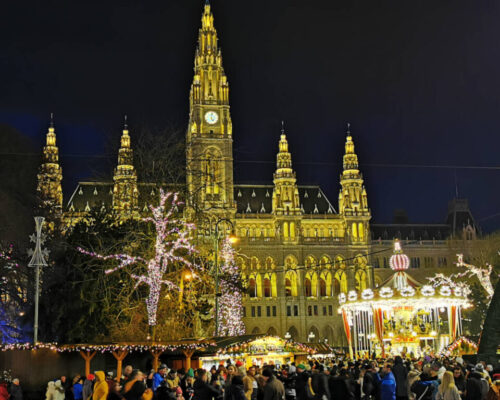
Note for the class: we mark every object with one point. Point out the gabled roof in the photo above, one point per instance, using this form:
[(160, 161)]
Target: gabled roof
[(257, 199)]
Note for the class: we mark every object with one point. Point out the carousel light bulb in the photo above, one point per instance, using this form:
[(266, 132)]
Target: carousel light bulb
[(433, 333), (391, 334), (442, 309), (414, 333)]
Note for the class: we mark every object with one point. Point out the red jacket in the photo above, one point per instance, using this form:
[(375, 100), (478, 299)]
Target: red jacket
[(4, 393)]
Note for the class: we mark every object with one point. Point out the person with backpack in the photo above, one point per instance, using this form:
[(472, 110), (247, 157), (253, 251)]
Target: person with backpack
[(426, 384)]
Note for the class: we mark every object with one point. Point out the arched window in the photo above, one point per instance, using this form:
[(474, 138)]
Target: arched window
[(267, 287), (361, 280), (292, 230), (285, 230), (290, 284), (212, 171), (252, 287), (354, 231), (361, 231), (341, 278), (322, 287), (307, 287)]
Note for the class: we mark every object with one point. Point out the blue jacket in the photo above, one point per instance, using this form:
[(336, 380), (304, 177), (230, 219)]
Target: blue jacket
[(77, 391), (388, 387), (157, 380)]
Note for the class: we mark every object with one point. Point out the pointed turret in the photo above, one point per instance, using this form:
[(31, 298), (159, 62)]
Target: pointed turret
[(286, 203), (49, 187), (353, 200), (125, 192)]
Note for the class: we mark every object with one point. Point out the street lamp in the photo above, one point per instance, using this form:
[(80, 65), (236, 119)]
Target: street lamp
[(232, 239), (288, 336), (311, 336), (37, 261)]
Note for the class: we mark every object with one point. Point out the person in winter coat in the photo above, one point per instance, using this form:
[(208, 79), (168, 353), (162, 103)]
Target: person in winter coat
[(250, 384), (388, 384), (135, 386), (235, 390), (341, 386), (412, 377), (494, 393), (159, 376), (288, 377), (274, 389), (447, 389), (78, 389), (301, 381), (458, 377), (371, 383), (101, 386), (51, 390), (319, 383), (88, 387), (473, 389), (400, 375), (4, 393), (202, 389), (59, 392), (115, 391), (16, 393), (425, 386)]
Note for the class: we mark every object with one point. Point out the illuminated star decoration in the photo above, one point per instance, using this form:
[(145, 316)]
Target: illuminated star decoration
[(483, 274), (230, 310), (172, 246)]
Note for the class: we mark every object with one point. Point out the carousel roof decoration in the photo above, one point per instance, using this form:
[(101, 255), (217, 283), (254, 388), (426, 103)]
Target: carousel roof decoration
[(460, 342), (402, 312)]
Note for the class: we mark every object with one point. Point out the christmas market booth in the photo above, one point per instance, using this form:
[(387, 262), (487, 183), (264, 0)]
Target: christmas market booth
[(257, 349)]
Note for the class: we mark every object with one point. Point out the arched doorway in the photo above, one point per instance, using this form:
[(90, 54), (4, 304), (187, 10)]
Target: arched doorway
[(328, 335)]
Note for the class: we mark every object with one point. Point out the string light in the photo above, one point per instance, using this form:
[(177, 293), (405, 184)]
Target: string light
[(483, 274), (172, 246), (230, 311)]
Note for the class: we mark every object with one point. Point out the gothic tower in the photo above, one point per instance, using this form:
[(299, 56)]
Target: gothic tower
[(49, 188), (353, 203), (125, 192), (286, 203), (209, 142)]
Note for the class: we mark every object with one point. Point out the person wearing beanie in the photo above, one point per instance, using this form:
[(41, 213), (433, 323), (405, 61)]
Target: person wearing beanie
[(301, 381), (273, 389), (159, 376)]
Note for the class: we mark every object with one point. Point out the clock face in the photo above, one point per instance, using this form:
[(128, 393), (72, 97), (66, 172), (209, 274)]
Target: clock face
[(211, 117)]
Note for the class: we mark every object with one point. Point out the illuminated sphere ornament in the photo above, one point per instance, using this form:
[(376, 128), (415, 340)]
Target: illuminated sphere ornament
[(399, 261)]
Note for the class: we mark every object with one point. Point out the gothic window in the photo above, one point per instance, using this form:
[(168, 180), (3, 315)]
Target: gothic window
[(361, 280), (322, 287), (267, 287), (307, 288), (291, 283), (252, 287), (340, 282), (325, 284), (361, 231), (310, 262), (212, 171)]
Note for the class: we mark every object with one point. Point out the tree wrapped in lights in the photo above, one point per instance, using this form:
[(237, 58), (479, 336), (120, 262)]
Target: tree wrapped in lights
[(230, 310), (172, 247), (483, 274)]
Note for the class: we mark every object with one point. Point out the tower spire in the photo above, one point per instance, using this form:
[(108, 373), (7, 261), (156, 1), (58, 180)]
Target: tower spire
[(49, 187), (125, 192)]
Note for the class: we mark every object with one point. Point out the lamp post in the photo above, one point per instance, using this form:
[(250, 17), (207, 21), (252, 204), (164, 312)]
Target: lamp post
[(311, 336), (288, 336), (37, 261), (232, 239)]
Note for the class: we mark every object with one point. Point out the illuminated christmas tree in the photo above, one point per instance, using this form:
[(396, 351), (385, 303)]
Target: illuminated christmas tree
[(172, 248), (230, 310)]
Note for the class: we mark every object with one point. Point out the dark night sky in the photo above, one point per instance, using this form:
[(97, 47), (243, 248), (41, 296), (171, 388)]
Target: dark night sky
[(418, 81)]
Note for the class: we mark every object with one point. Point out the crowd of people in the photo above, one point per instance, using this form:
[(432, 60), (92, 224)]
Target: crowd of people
[(323, 379)]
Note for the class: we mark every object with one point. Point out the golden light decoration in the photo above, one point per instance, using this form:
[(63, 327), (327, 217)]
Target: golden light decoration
[(407, 291), (386, 292), (427, 290), (367, 294), (352, 295), (445, 291)]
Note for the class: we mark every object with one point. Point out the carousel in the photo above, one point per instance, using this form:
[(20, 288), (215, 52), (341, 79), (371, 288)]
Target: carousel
[(402, 315)]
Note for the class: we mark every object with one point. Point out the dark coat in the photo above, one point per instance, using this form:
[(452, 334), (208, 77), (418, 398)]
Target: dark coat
[(16, 393), (300, 385), (204, 391), (319, 383), (341, 388), (136, 391), (371, 384), (401, 375), (473, 387), (274, 389), (235, 392)]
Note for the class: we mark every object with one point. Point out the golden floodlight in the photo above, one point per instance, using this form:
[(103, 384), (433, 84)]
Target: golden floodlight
[(233, 239)]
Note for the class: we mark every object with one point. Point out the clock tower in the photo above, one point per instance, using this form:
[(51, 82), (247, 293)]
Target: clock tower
[(209, 142)]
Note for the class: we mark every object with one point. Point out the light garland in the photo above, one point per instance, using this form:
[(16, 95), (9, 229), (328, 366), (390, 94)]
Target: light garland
[(427, 290), (342, 298), (352, 295), (230, 311), (448, 350), (367, 294), (171, 241), (445, 291), (407, 291), (386, 292)]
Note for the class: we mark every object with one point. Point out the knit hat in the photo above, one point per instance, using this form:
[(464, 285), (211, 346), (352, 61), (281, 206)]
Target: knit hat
[(90, 377), (479, 367), (301, 366), (190, 373), (239, 363)]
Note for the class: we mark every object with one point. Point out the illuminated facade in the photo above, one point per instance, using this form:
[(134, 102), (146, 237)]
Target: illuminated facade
[(297, 252)]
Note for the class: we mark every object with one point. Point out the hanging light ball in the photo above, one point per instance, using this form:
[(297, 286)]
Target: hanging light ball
[(399, 261)]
